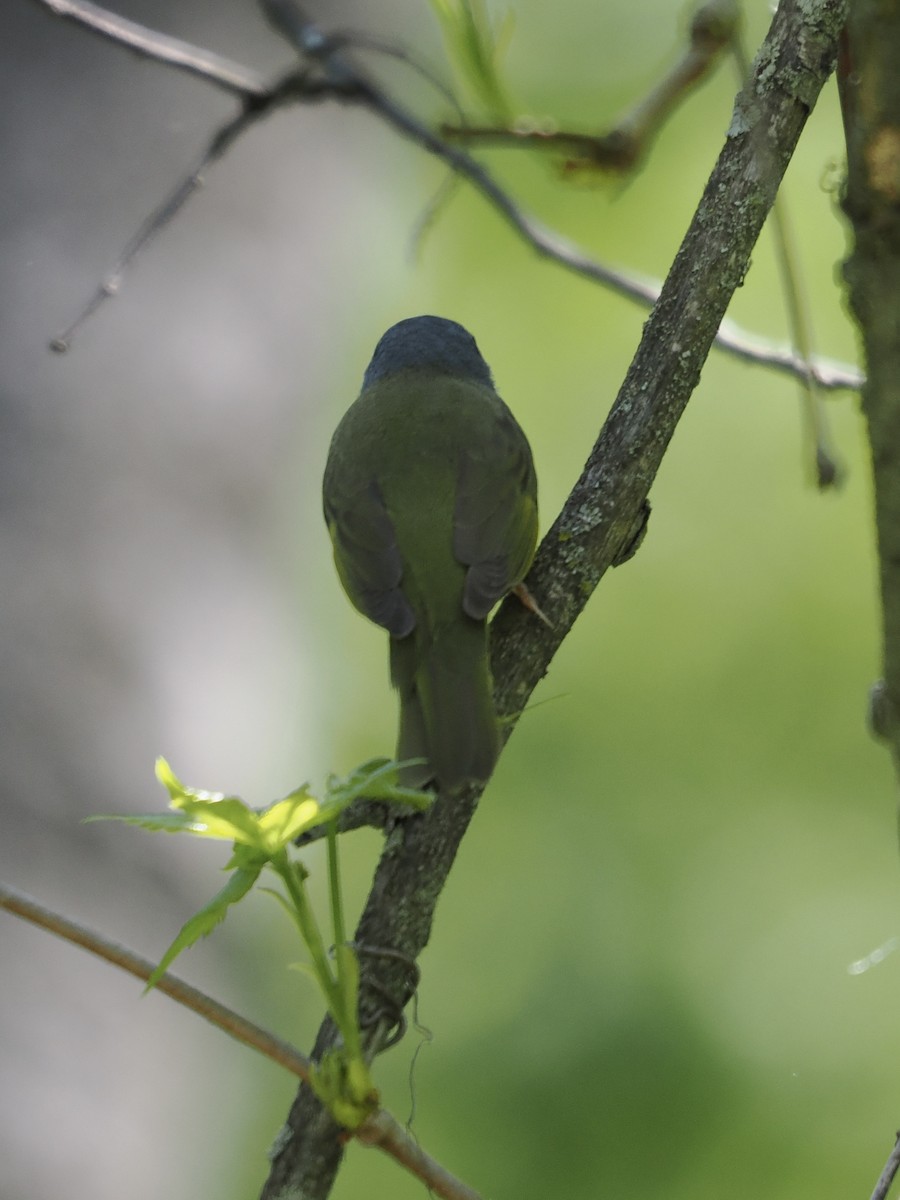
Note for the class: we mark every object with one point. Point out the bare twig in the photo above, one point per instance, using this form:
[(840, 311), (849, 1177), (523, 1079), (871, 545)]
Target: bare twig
[(886, 1178), (161, 47), (253, 109), (381, 1129), (217, 1014), (346, 83)]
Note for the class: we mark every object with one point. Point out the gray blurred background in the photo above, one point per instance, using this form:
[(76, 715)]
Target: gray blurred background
[(639, 981)]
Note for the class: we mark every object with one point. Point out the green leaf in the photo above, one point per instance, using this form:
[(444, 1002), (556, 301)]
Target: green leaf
[(173, 785), (227, 819), (212, 814), (376, 779), (246, 858), (286, 819), (171, 822), (204, 921)]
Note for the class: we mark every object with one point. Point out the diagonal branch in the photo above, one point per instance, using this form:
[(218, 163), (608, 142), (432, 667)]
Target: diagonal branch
[(604, 508), (381, 1129), (342, 80), (886, 1178)]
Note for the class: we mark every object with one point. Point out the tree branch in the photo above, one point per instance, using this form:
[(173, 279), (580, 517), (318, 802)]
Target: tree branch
[(604, 509), (381, 1129), (342, 80), (217, 1014), (886, 1178)]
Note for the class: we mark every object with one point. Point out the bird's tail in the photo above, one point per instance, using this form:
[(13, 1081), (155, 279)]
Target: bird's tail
[(446, 704)]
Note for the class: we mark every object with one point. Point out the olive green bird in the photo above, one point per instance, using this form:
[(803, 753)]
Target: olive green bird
[(430, 498)]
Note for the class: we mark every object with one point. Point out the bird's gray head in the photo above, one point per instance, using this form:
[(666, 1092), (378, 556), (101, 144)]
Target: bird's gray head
[(432, 342)]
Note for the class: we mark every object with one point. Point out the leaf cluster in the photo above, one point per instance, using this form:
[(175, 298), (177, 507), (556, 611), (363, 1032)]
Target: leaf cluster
[(262, 839)]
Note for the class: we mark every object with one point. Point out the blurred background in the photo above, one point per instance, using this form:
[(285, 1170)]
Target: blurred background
[(641, 979)]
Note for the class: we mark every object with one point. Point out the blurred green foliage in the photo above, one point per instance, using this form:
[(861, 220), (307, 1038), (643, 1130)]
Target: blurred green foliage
[(474, 47), (638, 980)]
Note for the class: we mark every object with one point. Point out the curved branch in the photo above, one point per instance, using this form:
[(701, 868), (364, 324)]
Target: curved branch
[(381, 1129), (342, 80)]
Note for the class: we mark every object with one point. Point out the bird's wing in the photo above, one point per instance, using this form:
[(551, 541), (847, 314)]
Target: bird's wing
[(495, 517), (367, 556)]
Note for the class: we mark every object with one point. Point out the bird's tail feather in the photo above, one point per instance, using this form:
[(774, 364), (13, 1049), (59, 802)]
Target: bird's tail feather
[(446, 704)]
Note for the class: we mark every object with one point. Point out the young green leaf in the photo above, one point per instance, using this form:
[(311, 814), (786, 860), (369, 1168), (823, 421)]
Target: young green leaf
[(212, 814), (282, 822), (170, 822), (204, 921), (377, 780)]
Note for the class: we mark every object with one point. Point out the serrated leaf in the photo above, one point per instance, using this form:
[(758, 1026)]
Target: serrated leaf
[(204, 921)]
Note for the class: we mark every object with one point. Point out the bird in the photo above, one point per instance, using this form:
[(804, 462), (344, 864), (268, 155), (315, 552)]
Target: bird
[(430, 499)]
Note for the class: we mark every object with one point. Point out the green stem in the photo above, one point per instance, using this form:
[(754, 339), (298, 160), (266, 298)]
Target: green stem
[(347, 984), (334, 884), (309, 931)]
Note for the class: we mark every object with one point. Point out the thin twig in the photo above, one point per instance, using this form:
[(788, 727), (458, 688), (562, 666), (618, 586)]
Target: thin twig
[(381, 1129), (224, 1018), (386, 1132), (252, 110), (886, 1178), (352, 85), (160, 46)]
